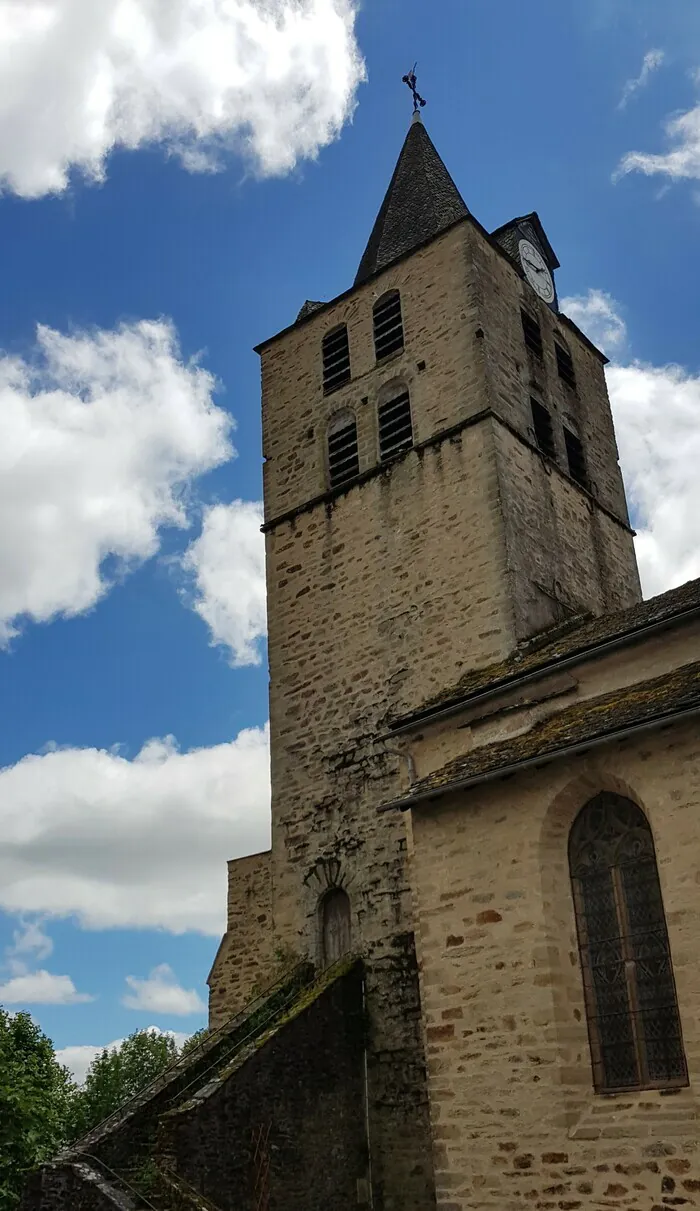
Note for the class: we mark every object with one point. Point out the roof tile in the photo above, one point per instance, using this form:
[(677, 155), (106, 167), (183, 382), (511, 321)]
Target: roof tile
[(581, 636), (591, 720), (421, 201)]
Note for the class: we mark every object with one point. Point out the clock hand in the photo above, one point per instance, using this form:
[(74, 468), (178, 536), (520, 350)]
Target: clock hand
[(532, 265)]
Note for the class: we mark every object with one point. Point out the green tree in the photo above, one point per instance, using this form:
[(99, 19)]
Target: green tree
[(36, 1093), (194, 1040), (117, 1074)]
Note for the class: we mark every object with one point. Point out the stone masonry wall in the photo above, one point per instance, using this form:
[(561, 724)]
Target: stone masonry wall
[(565, 554), (245, 958), (516, 374), (298, 1101), (73, 1188), (516, 1122), (379, 597), (440, 322), (371, 598), (373, 602)]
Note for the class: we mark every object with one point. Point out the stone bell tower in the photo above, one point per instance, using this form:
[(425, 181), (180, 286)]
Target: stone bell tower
[(441, 484)]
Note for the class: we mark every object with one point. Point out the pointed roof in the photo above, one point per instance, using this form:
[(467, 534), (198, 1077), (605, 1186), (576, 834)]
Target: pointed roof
[(308, 309), (421, 201)]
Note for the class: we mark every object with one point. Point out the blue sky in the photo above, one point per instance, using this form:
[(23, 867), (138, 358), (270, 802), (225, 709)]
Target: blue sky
[(156, 239)]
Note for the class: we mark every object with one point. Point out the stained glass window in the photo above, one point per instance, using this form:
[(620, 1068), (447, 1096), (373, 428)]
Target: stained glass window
[(633, 1021)]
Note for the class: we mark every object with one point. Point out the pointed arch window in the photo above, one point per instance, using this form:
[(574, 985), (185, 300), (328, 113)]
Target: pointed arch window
[(388, 325), (343, 453), (336, 359), (335, 926), (633, 1021)]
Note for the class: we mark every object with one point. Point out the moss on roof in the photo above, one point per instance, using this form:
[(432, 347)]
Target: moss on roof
[(595, 719), (581, 635)]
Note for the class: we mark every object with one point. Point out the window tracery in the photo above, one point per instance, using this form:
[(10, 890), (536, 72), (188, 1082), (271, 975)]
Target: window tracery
[(631, 1005)]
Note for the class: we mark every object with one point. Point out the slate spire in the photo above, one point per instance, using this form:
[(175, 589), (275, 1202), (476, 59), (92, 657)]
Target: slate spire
[(421, 201)]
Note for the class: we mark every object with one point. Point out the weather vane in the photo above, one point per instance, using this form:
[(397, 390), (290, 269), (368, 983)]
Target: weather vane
[(410, 79)]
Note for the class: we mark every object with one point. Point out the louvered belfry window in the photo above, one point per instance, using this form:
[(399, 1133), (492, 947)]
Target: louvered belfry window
[(336, 359), (532, 334), (575, 458), (542, 425), (343, 454), (565, 366), (633, 1021), (395, 427), (388, 325)]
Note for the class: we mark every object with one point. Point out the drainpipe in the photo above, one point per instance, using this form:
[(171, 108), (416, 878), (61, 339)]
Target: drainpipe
[(366, 1095)]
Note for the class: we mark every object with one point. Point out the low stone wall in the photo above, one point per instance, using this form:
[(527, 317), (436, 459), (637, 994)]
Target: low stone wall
[(72, 1188), (288, 1117), (283, 1115), (127, 1140)]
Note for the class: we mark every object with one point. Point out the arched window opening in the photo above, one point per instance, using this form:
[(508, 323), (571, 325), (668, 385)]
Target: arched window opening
[(575, 457), (388, 325), (544, 432), (335, 926), (565, 365), (633, 1021), (343, 454), (395, 426), (336, 359)]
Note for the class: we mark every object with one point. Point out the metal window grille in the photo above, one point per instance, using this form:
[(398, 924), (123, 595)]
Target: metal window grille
[(575, 459), (565, 366), (336, 359), (542, 424), (631, 1004), (395, 427), (532, 333), (343, 454), (388, 325)]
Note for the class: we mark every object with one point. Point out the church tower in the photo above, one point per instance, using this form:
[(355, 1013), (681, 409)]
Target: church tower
[(441, 485)]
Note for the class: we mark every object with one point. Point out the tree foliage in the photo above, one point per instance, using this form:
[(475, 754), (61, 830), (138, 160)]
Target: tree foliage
[(36, 1096), (119, 1073), (42, 1109), (194, 1040)]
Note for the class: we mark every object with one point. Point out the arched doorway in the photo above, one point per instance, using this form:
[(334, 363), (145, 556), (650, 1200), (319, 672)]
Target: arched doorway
[(335, 926)]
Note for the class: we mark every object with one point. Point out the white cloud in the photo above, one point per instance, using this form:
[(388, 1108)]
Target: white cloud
[(101, 433), (275, 79), (657, 418), (227, 563), (161, 993), (41, 988), (79, 1057), (132, 843), (657, 421), (652, 61), (681, 162), (597, 314), (31, 940)]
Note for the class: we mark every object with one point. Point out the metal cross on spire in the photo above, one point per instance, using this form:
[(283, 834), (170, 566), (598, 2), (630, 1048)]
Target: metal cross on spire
[(411, 81)]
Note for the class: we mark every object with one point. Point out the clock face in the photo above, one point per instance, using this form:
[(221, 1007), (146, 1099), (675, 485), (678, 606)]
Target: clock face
[(536, 270)]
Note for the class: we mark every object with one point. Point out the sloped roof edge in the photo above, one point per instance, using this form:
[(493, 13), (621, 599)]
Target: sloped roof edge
[(572, 645), (635, 708)]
